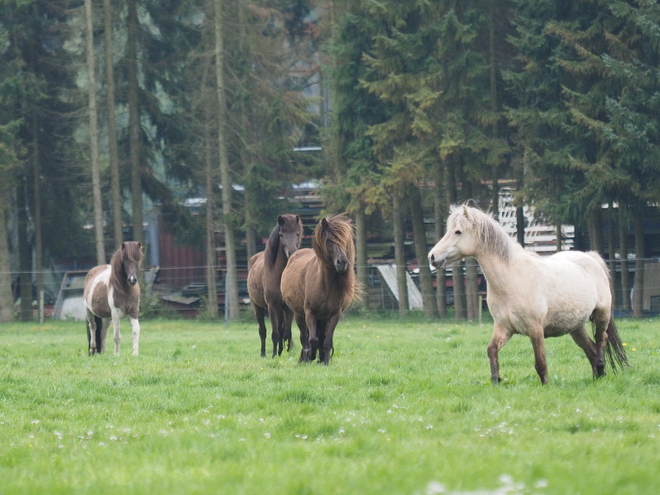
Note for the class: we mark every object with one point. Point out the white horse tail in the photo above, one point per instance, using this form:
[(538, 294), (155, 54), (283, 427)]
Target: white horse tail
[(616, 352)]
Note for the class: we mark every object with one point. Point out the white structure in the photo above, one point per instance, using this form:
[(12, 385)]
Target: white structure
[(539, 237)]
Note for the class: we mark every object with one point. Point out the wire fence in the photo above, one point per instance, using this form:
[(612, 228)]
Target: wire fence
[(183, 290)]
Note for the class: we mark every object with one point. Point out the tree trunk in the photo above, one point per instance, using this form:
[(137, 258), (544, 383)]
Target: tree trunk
[(94, 135), (472, 288), (640, 253), (115, 187), (440, 219), (225, 178), (494, 104), (38, 240), (361, 251), (211, 280), (134, 123), (6, 298), (623, 254), (610, 248), (595, 228), (24, 255), (400, 255), (421, 252)]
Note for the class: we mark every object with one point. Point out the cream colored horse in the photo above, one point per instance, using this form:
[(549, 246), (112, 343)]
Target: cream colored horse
[(533, 295)]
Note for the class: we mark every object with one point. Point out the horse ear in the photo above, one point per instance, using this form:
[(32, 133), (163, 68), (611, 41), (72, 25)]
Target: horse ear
[(466, 212), (280, 220), (297, 218), (324, 223)]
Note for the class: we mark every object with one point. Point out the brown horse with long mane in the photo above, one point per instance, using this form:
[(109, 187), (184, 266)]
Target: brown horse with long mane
[(112, 291), (264, 274), (318, 284)]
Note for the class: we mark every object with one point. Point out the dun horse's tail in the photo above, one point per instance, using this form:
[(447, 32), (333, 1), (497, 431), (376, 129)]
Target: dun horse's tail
[(615, 350)]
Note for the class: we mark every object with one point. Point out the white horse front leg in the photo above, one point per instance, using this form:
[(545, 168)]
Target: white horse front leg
[(117, 332), (135, 325)]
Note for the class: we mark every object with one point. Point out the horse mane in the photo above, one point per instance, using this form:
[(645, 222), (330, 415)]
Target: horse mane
[(490, 232), (272, 246), (131, 251), (339, 230)]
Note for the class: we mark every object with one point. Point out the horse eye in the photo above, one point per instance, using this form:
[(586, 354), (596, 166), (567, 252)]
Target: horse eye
[(458, 232)]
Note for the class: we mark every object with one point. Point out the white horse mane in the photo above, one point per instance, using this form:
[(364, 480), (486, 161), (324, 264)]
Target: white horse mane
[(484, 226)]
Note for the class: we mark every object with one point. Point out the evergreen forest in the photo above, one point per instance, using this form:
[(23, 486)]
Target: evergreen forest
[(111, 110)]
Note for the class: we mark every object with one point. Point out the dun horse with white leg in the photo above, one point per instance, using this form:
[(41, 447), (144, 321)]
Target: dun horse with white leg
[(535, 296), (112, 291)]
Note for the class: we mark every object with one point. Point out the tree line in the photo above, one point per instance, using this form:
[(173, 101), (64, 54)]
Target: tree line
[(108, 108)]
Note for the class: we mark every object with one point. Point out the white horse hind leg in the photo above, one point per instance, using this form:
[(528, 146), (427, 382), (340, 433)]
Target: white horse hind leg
[(135, 325)]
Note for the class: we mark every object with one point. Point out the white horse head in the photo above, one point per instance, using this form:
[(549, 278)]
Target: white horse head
[(469, 230)]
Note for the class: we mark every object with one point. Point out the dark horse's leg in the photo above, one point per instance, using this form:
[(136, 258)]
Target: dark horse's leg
[(100, 334), (328, 348), (304, 339), (274, 312), (286, 319), (584, 342), (259, 313), (321, 327), (93, 330)]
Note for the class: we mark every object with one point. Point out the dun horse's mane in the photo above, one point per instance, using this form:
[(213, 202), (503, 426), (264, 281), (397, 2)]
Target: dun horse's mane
[(339, 230), (272, 246), (130, 251), (489, 232)]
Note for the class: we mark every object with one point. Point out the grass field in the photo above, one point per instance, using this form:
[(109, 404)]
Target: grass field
[(405, 407)]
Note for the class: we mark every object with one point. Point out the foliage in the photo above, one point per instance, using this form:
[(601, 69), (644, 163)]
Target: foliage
[(404, 407)]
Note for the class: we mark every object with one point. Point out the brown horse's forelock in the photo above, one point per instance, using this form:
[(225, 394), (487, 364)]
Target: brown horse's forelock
[(339, 231), (132, 252)]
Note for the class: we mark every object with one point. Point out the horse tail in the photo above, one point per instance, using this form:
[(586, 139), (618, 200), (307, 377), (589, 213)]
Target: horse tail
[(616, 353)]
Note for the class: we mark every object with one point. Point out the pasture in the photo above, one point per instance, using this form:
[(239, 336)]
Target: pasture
[(405, 407)]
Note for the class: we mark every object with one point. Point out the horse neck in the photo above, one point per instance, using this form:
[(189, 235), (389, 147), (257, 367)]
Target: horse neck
[(344, 282), (495, 268)]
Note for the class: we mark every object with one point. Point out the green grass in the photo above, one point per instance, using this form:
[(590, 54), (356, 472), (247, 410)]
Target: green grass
[(405, 407)]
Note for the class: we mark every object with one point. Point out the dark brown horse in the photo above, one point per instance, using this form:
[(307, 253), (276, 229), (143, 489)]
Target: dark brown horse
[(112, 291), (319, 284), (264, 274)]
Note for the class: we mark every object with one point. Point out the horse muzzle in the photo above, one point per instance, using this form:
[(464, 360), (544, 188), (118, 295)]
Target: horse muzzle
[(444, 259), (341, 266), (132, 280)]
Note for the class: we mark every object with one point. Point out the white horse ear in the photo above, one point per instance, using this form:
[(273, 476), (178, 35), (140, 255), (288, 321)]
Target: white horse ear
[(466, 212)]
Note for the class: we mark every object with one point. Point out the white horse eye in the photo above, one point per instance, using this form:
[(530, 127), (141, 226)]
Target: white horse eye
[(458, 232)]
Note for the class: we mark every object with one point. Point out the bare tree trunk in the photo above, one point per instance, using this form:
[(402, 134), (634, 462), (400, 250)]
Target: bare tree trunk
[(400, 255), (211, 279), (134, 123), (610, 248), (361, 250), (440, 219), (494, 103), (24, 255), (94, 135), (6, 299), (472, 288), (623, 254), (115, 187), (640, 253), (595, 228), (225, 178), (421, 251), (38, 240)]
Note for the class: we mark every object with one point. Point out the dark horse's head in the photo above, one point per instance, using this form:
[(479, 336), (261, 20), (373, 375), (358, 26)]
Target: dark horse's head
[(333, 242), (286, 236), (126, 263)]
